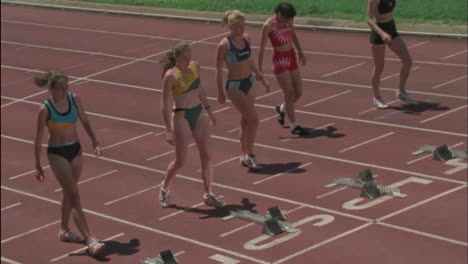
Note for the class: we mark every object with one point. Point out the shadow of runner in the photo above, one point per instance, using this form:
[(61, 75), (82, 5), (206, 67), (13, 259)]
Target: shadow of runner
[(114, 248), (419, 107), (329, 132), (218, 212)]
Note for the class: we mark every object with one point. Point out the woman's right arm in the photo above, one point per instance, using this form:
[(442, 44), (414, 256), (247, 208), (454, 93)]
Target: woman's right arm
[(265, 31), (220, 54), (41, 123), (370, 18), (166, 103)]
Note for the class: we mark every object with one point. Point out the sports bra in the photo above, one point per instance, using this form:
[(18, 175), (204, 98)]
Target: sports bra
[(236, 55), (186, 81), (386, 6), (56, 120), (281, 34)]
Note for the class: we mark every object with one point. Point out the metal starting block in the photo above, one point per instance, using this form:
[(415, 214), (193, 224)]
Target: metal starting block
[(365, 182), (165, 257), (273, 222), (442, 153)]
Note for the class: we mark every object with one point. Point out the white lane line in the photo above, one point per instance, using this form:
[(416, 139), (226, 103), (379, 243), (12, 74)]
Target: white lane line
[(421, 233), (10, 206), (10, 261), (83, 248), (268, 94), (143, 227), (128, 140), (109, 69), (91, 179), (132, 194), (185, 210), (443, 114), (418, 44), (430, 155), (327, 98), (453, 55), (222, 162), (279, 174), (220, 110), (215, 43), (337, 190), (342, 70), (421, 202), (262, 120), (397, 74), (27, 173), (449, 82), (167, 153), (268, 147), (375, 108), (291, 256), (30, 231), (366, 142)]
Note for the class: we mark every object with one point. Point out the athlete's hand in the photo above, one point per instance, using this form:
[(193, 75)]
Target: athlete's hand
[(39, 173), (302, 58), (221, 98), (212, 118), (170, 137), (386, 37)]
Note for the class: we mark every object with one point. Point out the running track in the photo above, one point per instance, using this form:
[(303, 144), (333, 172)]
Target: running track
[(111, 63)]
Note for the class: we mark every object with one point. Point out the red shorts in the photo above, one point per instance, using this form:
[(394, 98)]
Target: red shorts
[(284, 61)]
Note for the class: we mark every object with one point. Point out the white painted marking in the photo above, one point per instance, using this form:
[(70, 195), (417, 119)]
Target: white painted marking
[(453, 55), (30, 231), (327, 98), (449, 82), (375, 108), (279, 174), (345, 69), (91, 179), (10, 206), (460, 164), (128, 140), (224, 259), (132, 194), (185, 210), (27, 173), (443, 114), (366, 142), (10, 261), (398, 74)]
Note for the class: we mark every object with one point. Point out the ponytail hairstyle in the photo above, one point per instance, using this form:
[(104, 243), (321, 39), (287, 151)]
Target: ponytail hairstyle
[(286, 10), (169, 60), (231, 17), (50, 79)]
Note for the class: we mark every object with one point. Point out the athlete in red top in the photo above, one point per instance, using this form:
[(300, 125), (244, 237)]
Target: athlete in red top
[(279, 29)]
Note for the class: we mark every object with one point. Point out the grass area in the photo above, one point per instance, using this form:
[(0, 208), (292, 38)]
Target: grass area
[(412, 11)]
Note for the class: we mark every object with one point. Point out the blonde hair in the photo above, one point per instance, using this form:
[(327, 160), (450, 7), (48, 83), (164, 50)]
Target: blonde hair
[(50, 79), (169, 60), (231, 17)]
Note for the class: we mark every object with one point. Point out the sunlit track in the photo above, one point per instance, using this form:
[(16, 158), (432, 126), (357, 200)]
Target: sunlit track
[(215, 43)]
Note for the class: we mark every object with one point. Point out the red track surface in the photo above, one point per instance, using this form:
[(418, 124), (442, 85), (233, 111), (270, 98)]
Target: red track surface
[(117, 55)]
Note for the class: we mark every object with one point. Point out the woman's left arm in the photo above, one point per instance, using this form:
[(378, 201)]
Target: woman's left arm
[(302, 58), (87, 125), (203, 97), (258, 75)]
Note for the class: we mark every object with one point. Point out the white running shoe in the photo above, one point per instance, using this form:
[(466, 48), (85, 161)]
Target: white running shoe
[(94, 246), (251, 162), (69, 236), (164, 197), (403, 96), (211, 200), (380, 103)]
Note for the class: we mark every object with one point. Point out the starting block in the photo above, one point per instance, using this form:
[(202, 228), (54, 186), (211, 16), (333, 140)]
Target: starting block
[(165, 257), (369, 188), (442, 153), (273, 222)]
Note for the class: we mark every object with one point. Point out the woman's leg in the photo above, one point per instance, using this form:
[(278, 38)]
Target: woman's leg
[(378, 55), (398, 46), (63, 171), (285, 82)]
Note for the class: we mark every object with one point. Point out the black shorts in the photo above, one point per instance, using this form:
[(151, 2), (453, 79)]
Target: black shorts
[(69, 152), (387, 27)]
